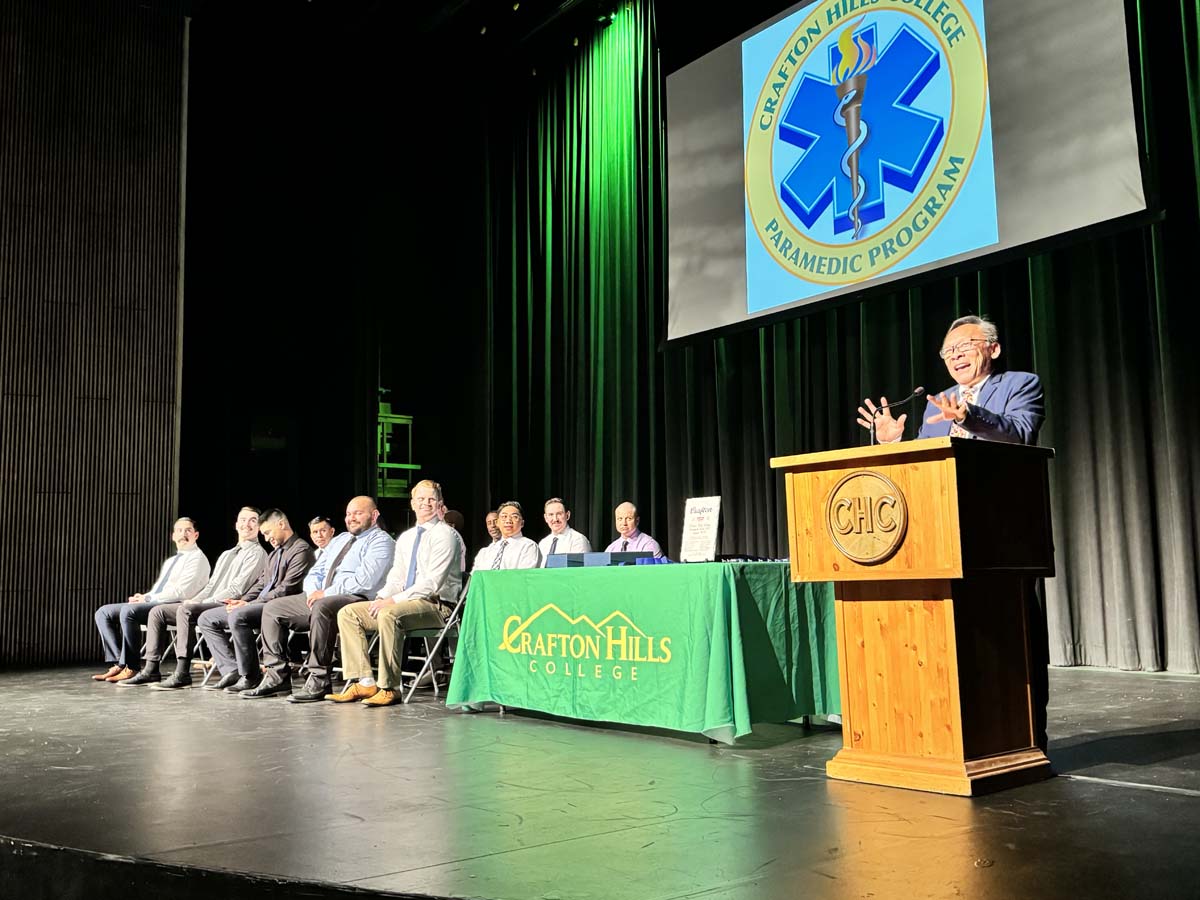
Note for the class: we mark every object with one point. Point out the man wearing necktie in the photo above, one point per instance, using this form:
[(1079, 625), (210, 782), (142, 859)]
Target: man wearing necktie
[(562, 537), (353, 568), (988, 405), (984, 403), (236, 568), (513, 550), (422, 585), (228, 628), (630, 539), (181, 577)]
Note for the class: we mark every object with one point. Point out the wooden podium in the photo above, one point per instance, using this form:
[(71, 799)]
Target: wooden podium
[(933, 546)]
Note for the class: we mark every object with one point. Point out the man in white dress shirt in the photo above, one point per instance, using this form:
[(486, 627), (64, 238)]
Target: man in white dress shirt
[(562, 537), (181, 577), (421, 587), (513, 550)]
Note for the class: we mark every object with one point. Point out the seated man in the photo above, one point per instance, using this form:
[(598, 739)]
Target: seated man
[(984, 403), (631, 540), (489, 522), (236, 568), (181, 577), (228, 627), (354, 568), (513, 550), (422, 586), (562, 537), (320, 531)]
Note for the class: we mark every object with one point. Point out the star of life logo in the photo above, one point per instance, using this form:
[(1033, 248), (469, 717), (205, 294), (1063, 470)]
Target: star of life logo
[(863, 135)]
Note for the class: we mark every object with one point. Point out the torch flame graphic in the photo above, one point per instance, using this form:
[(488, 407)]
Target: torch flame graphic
[(858, 55)]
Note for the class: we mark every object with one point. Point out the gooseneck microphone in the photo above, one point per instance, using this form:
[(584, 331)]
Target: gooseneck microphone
[(917, 392)]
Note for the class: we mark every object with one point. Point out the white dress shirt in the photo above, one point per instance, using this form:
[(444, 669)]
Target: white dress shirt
[(439, 564), (570, 541), (188, 572), (517, 552)]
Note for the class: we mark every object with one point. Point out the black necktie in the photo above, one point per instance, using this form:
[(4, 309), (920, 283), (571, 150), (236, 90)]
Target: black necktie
[(337, 562), (278, 554), (553, 547), (624, 546)]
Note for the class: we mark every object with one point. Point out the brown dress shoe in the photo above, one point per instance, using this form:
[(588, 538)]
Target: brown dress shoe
[(105, 676), (121, 675), (382, 698), (354, 691)]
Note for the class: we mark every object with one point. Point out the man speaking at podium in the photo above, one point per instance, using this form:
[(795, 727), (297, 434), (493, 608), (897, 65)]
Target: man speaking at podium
[(985, 404), (993, 406)]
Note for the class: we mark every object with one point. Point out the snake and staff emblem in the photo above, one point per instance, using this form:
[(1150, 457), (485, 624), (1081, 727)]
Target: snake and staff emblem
[(858, 55)]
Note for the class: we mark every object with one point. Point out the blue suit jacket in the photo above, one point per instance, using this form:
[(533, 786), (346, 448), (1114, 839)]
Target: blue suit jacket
[(1010, 408)]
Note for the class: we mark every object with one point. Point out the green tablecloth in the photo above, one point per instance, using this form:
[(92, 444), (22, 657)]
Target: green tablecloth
[(709, 648)]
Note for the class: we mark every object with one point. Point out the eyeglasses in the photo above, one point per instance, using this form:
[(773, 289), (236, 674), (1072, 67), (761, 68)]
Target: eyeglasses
[(961, 347)]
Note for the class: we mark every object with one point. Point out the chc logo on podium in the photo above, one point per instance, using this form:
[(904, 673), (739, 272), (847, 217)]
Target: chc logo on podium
[(867, 517), (863, 134)]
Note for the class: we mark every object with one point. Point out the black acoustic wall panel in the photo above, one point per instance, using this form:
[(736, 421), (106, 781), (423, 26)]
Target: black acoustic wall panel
[(92, 117)]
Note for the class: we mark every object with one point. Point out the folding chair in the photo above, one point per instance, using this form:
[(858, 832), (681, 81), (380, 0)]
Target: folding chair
[(440, 637), (145, 642)]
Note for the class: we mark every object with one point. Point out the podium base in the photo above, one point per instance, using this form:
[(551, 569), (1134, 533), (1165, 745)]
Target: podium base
[(968, 778)]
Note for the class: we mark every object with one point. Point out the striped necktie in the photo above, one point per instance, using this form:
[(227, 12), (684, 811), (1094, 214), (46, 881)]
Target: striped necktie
[(499, 556)]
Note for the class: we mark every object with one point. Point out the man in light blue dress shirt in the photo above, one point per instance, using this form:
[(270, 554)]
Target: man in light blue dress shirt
[(353, 568)]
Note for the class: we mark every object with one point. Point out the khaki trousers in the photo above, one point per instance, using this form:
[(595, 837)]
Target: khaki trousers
[(355, 625)]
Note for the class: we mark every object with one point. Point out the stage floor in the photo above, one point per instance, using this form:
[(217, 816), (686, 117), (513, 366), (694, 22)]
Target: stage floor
[(419, 800)]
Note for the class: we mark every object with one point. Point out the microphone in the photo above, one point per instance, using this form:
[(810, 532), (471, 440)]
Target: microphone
[(917, 392)]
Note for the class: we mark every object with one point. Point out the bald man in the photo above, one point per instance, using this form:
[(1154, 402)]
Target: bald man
[(353, 568), (630, 539)]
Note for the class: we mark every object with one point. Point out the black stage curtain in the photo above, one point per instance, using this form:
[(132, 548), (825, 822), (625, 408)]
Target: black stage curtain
[(580, 404)]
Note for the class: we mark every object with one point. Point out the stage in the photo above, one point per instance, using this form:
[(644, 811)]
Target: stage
[(111, 791)]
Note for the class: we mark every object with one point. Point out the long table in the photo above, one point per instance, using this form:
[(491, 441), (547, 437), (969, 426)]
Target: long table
[(709, 648)]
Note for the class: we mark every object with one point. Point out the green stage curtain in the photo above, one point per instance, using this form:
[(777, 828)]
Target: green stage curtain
[(582, 403), (575, 195)]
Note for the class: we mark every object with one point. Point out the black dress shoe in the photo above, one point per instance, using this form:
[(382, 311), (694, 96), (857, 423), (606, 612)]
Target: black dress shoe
[(143, 677), (268, 688), (226, 681), (312, 691), (174, 683), (243, 684)]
